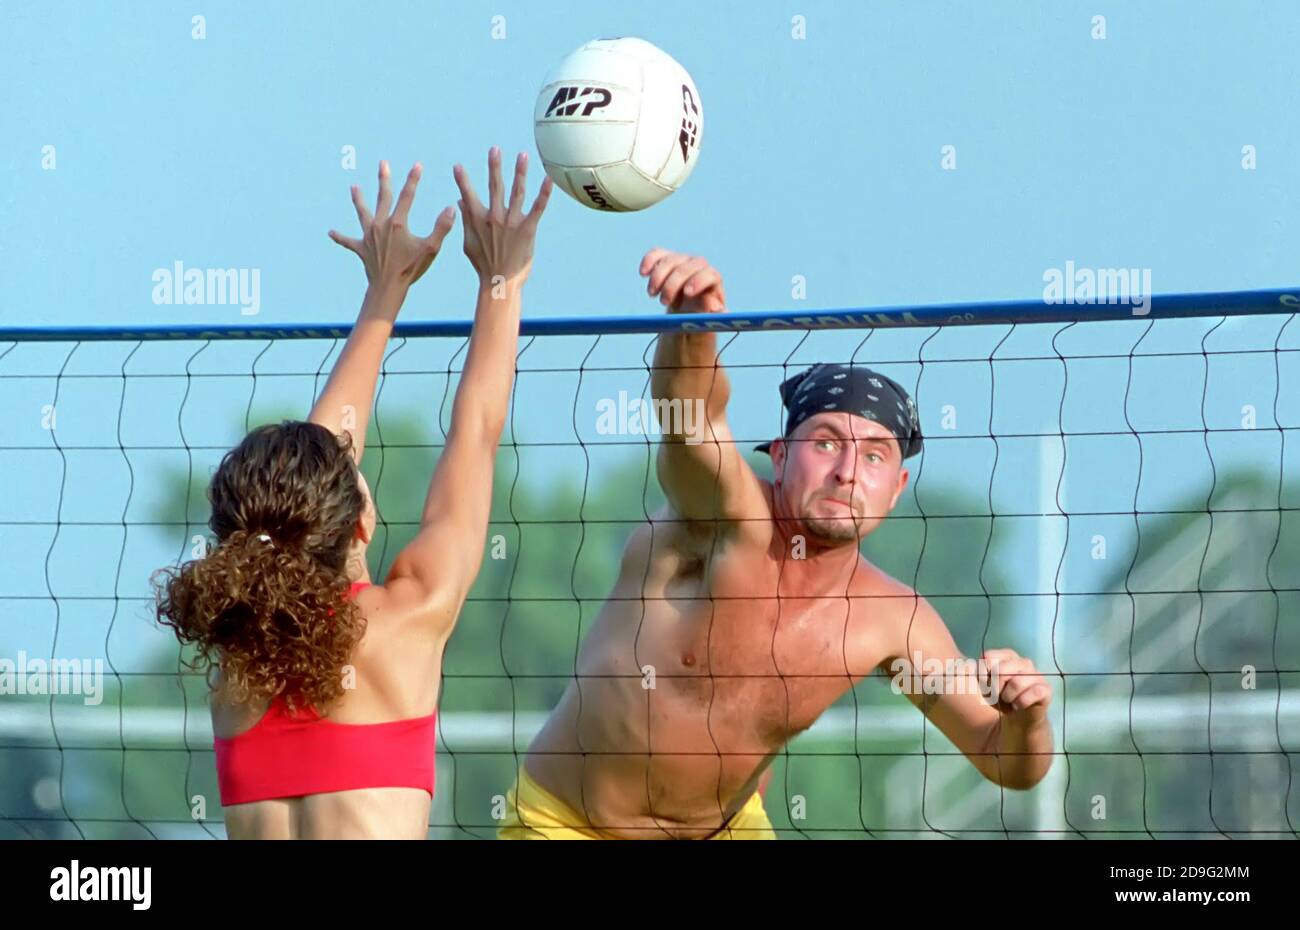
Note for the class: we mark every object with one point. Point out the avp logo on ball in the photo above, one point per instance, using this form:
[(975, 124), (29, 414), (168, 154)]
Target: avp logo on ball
[(562, 105), (690, 122)]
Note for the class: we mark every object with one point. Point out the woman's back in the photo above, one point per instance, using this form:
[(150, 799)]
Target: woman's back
[(365, 770)]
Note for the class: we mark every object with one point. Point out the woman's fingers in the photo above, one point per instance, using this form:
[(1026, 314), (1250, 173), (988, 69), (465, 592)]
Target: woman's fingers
[(539, 205), (363, 213), (469, 223), (519, 186), (468, 197), (385, 192), (407, 196), (352, 245), (496, 204), (446, 220), (499, 237)]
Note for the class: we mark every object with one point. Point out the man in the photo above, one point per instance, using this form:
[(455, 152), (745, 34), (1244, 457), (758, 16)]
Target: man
[(744, 609)]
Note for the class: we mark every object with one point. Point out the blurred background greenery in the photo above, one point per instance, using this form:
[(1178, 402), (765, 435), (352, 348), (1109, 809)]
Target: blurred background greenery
[(1136, 709)]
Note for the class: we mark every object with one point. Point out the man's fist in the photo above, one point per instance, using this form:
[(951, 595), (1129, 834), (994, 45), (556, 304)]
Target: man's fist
[(1021, 689), (683, 283)]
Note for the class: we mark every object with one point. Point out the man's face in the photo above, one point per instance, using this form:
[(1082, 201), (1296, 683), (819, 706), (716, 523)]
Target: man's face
[(840, 474)]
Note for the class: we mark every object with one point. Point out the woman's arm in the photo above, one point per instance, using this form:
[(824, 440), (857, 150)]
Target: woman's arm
[(442, 561), (394, 260)]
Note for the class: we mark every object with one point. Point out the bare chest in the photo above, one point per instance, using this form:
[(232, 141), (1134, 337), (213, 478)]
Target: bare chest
[(751, 658)]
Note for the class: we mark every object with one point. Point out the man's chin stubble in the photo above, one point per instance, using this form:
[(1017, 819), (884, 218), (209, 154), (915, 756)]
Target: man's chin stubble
[(832, 532)]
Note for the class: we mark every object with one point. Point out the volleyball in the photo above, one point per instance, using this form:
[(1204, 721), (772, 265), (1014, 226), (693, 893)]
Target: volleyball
[(618, 124)]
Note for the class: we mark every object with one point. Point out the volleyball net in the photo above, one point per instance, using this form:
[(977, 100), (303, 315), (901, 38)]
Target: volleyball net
[(1109, 491)]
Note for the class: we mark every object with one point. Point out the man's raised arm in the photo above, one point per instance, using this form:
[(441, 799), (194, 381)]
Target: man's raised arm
[(702, 473)]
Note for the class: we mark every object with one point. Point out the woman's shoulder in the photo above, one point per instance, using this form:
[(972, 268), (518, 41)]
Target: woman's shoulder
[(402, 603), (230, 719)]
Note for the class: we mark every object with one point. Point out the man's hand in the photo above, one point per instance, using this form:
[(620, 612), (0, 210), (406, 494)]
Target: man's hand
[(683, 283), (394, 259), (499, 239), (1023, 694)]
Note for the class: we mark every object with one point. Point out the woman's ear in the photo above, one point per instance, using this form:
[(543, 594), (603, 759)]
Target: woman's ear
[(365, 529)]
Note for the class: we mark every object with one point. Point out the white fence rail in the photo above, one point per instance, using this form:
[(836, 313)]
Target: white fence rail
[(1249, 720)]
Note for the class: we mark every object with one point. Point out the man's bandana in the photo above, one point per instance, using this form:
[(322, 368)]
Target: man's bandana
[(860, 391)]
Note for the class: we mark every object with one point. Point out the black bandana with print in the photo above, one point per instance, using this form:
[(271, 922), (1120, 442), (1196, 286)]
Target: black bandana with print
[(855, 390)]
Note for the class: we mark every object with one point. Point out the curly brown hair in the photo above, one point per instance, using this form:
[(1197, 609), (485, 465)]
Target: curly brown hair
[(273, 615)]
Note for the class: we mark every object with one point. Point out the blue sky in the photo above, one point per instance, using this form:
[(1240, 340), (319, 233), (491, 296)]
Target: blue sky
[(820, 157)]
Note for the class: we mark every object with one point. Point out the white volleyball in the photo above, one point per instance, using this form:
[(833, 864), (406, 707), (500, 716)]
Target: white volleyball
[(618, 124)]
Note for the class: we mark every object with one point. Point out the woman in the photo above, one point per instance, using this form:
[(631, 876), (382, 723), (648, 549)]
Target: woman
[(326, 686)]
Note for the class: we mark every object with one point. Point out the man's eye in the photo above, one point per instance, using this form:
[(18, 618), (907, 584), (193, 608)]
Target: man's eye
[(825, 444), (875, 457)]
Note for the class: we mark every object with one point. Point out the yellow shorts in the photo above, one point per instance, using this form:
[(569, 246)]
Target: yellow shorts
[(533, 813)]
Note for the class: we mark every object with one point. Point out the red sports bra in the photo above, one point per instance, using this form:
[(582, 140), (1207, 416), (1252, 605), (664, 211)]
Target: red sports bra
[(288, 756)]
